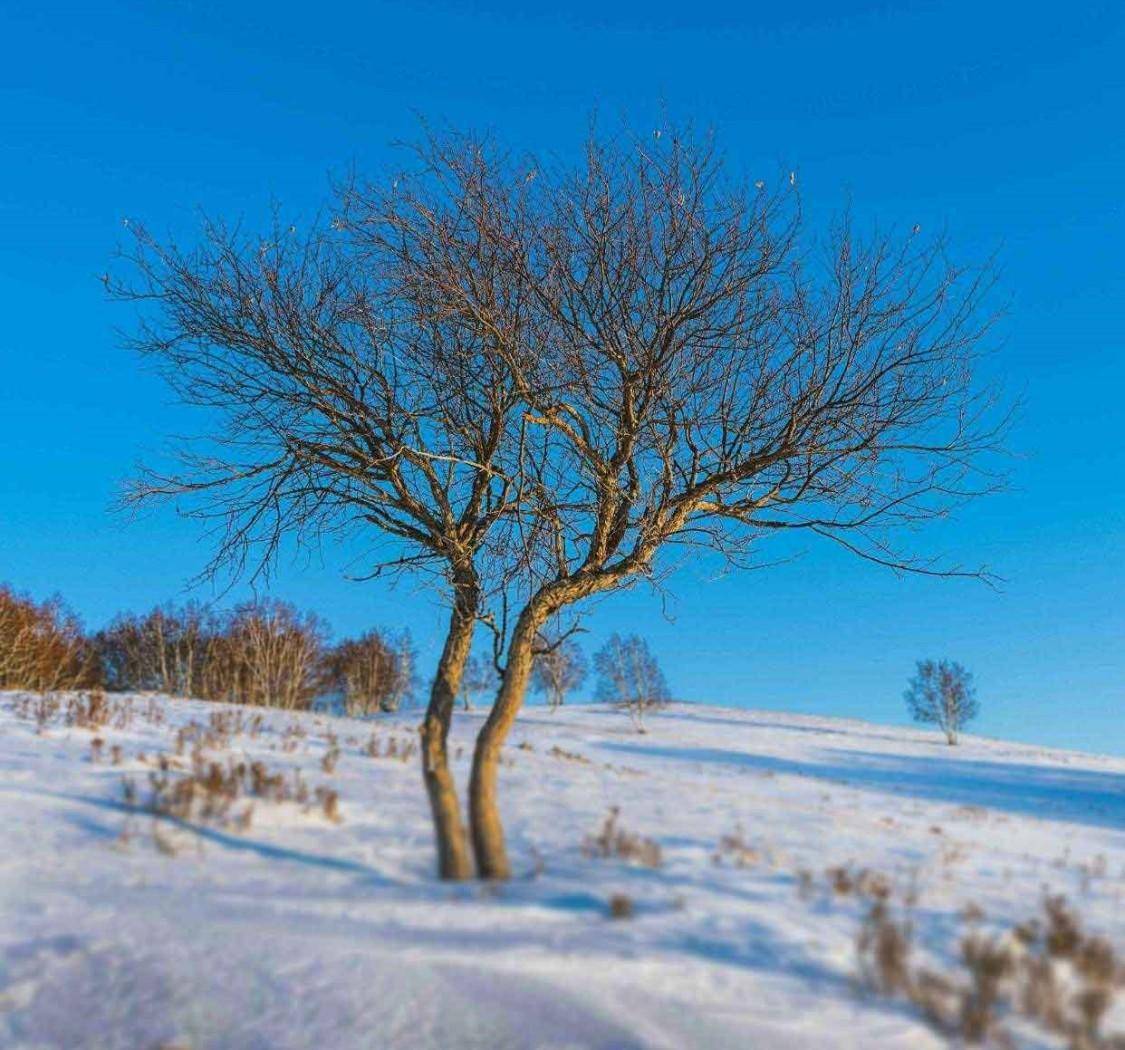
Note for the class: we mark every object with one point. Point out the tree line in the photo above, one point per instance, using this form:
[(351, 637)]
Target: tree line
[(268, 653), (263, 652), (532, 383)]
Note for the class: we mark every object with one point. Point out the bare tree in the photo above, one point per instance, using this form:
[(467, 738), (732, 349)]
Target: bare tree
[(479, 679), (404, 668), (164, 650), (942, 693), (559, 668), (278, 653), (536, 381), (344, 395), (42, 646), (360, 670), (630, 677), (696, 376)]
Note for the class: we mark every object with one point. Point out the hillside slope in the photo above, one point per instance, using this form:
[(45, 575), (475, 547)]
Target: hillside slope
[(282, 927)]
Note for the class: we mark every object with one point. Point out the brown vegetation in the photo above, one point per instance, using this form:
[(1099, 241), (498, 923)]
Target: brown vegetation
[(1048, 972), (42, 647), (614, 841)]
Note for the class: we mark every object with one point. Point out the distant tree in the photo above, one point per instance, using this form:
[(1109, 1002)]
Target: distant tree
[(165, 650), (630, 677), (364, 672), (42, 646), (404, 666), (478, 679), (942, 693), (277, 652), (559, 668)]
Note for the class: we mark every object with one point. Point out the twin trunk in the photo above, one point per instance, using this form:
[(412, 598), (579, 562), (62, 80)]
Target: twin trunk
[(487, 832)]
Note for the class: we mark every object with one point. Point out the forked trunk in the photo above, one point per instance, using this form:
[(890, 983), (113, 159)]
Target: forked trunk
[(484, 811), (454, 861)]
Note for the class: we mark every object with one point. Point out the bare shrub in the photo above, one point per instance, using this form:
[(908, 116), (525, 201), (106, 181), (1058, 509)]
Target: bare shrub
[(942, 693), (630, 677), (559, 668), (614, 841), (42, 647)]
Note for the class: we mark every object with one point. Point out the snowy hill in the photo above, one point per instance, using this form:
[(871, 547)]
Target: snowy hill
[(268, 914)]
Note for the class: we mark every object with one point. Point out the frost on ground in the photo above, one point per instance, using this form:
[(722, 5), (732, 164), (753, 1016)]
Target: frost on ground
[(260, 910)]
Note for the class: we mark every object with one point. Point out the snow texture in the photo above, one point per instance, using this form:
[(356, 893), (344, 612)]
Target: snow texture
[(118, 929)]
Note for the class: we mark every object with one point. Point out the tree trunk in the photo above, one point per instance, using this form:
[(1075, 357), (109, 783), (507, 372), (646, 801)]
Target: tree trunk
[(452, 847), (484, 812)]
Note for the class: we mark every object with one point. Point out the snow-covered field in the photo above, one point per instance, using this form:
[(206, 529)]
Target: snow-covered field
[(288, 929)]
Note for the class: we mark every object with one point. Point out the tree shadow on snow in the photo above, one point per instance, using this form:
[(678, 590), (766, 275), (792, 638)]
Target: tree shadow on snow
[(1076, 796), (240, 843)]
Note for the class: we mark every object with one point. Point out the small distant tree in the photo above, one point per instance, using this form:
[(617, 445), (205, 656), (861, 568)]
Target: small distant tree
[(478, 679), (942, 693), (559, 668), (630, 677), (404, 667)]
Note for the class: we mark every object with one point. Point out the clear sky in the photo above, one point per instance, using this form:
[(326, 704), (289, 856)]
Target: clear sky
[(1000, 122)]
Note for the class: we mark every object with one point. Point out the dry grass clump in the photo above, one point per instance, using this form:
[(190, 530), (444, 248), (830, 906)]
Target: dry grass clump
[(209, 791), (847, 881), (392, 747), (614, 841), (1048, 972), (92, 710), (620, 906), (569, 756), (331, 755), (736, 850)]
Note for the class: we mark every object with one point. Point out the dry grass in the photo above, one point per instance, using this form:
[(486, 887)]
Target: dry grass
[(734, 849), (1048, 972), (569, 756), (613, 841), (621, 906), (391, 747)]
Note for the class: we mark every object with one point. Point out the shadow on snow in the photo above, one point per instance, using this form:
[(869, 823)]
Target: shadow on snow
[(1075, 796)]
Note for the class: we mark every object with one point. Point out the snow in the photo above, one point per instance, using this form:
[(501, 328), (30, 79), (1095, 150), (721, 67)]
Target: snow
[(118, 930)]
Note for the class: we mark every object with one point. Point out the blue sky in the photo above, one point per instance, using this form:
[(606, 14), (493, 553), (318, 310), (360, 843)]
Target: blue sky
[(998, 122)]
